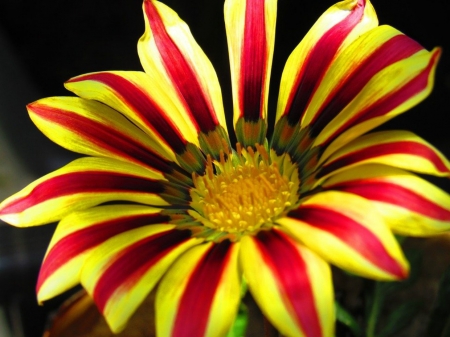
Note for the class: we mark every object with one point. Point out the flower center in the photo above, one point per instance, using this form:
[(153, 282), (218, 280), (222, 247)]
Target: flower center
[(243, 192)]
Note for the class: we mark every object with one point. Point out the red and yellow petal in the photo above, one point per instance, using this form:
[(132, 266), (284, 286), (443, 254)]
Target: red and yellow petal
[(347, 231), (391, 79), (409, 204), (81, 184), (200, 294), (170, 132), (290, 283), (92, 128), (121, 272), (401, 149), (141, 99), (250, 27), (79, 233), (171, 57), (337, 28)]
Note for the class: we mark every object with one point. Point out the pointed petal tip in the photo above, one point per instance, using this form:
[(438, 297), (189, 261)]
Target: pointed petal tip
[(437, 50), (6, 218), (32, 105), (436, 55), (405, 273)]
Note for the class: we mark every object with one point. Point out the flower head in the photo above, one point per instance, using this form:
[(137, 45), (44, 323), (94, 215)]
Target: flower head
[(164, 200)]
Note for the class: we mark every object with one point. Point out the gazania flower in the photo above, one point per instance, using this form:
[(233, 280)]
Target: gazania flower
[(164, 200)]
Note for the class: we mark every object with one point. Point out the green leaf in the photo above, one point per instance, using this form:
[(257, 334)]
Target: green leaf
[(344, 317), (440, 316), (374, 303), (240, 323), (400, 318), (375, 297)]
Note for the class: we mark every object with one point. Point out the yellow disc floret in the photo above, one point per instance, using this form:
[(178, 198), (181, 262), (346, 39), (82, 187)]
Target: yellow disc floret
[(242, 192)]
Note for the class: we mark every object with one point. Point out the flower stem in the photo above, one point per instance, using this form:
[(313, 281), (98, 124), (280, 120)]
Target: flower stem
[(375, 308)]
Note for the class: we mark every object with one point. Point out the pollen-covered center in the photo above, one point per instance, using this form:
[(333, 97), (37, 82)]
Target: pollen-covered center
[(242, 192)]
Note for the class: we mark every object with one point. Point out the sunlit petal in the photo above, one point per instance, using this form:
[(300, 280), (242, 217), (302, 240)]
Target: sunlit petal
[(200, 294), (170, 56), (83, 183), (290, 283), (92, 128), (337, 28), (410, 205), (250, 28), (79, 233), (366, 102), (119, 281), (140, 99), (401, 149), (352, 235)]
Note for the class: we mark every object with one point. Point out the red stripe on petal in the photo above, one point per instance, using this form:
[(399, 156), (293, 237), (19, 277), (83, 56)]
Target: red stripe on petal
[(318, 61), (291, 272), (84, 239), (395, 49), (394, 99), (181, 73), (253, 62), (196, 301), (83, 182), (142, 105), (352, 234), (379, 150), (134, 261), (395, 195), (102, 136)]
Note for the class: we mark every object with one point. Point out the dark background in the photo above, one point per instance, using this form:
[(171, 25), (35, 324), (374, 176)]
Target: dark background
[(46, 42)]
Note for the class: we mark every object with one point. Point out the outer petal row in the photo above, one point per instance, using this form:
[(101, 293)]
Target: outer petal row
[(401, 149), (338, 27), (347, 231), (81, 184), (170, 56), (92, 128), (403, 75), (250, 29), (78, 234), (408, 204), (290, 283), (363, 82), (118, 281), (142, 100), (200, 294)]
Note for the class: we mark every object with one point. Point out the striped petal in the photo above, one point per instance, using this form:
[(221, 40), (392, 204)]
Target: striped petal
[(410, 205), (120, 273), (144, 101), (79, 233), (351, 233), (81, 184), (171, 57), (291, 284), (401, 149), (337, 28), (92, 128), (250, 27), (381, 75), (200, 294)]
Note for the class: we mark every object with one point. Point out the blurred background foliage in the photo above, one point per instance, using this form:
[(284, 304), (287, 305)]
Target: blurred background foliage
[(44, 43)]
